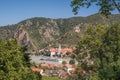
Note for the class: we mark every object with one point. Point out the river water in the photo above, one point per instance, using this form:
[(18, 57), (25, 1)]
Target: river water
[(49, 60)]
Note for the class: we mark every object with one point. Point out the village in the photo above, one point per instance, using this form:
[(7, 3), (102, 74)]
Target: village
[(58, 62)]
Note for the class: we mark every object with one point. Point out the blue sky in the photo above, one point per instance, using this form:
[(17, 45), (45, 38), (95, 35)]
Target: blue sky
[(14, 11)]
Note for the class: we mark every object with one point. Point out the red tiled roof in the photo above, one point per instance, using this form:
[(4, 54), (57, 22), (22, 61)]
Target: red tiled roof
[(44, 65), (36, 69), (63, 74), (59, 65), (64, 50), (53, 50), (68, 65), (51, 65)]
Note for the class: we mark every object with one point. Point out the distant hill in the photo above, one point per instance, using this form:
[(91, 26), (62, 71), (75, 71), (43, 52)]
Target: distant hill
[(41, 32)]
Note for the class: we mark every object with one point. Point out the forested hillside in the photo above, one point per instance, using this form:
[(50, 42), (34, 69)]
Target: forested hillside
[(40, 32)]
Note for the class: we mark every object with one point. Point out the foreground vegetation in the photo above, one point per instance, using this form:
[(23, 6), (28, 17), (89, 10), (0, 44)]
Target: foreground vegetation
[(98, 53), (14, 63)]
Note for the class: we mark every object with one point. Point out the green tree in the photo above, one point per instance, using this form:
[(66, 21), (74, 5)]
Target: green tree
[(13, 65), (90, 42), (88, 47), (106, 6), (103, 48), (73, 56), (110, 56), (72, 61), (64, 62)]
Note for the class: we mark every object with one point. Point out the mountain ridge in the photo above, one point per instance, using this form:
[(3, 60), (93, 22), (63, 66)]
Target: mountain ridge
[(41, 32)]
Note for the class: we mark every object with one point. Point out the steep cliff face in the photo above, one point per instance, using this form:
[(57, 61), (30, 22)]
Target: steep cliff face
[(22, 37), (39, 33)]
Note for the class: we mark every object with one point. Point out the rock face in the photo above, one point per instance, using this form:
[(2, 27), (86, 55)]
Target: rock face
[(22, 37), (40, 33)]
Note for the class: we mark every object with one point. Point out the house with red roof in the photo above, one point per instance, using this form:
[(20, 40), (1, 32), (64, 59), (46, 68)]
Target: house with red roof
[(63, 74), (55, 51), (37, 70)]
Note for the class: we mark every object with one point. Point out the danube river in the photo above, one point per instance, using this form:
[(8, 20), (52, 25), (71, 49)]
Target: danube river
[(49, 60)]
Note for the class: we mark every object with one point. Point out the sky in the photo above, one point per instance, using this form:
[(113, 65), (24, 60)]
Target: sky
[(14, 11)]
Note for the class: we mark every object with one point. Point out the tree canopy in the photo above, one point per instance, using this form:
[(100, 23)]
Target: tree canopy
[(13, 62), (99, 52), (106, 6)]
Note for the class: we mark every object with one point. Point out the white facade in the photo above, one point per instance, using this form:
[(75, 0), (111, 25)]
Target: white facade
[(52, 53)]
